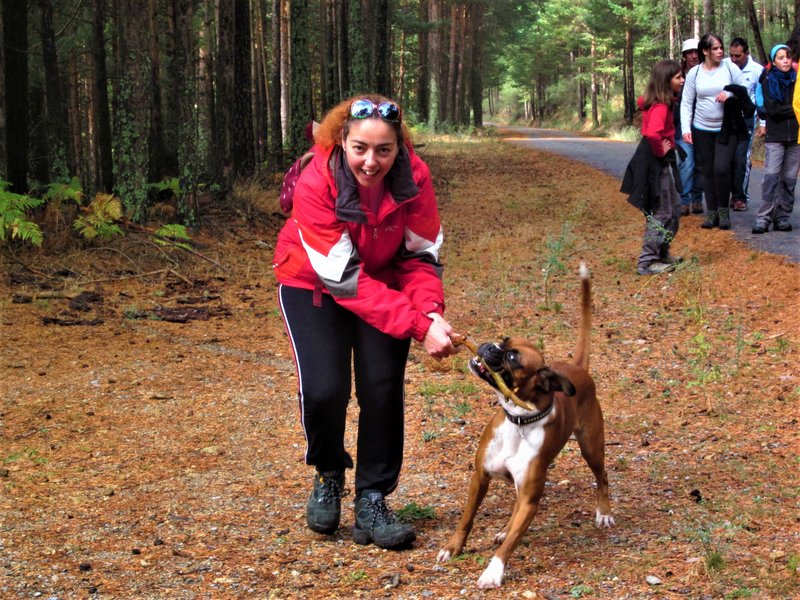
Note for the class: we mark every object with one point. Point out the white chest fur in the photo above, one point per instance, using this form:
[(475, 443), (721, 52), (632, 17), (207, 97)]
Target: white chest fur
[(511, 450)]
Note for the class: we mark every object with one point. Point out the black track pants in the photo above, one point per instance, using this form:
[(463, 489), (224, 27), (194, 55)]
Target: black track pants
[(327, 340)]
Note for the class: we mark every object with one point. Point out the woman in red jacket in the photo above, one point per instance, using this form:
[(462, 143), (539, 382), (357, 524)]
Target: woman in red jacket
[(658, 129), (359, 276)]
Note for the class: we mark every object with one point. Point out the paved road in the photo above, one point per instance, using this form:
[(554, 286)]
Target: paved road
[(612, 157)]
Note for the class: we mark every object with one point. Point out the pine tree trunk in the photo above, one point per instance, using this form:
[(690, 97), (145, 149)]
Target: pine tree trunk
[(630, 101), (328, 52), (381, 70), (476, 64), (300, 112), (15, 20), (243, 159), (260, 79), (342, 51), (3, 140), (224, 97), (208, 112), (450, 93), (133, 116), (423, 67), (757, 41), (186, 84), (55, 109), (708, 17), (438, 77), (75, 122), (359, 50), (158, 165), (104, 164), (275, 136), (286, 71), (595, 114)]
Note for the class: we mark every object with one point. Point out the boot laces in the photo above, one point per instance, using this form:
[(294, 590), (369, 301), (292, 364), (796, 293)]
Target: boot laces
[(331, 490), (382, 513)]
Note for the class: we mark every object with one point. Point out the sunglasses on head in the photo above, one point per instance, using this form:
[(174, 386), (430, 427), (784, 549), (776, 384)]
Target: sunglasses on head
[(363, 109)]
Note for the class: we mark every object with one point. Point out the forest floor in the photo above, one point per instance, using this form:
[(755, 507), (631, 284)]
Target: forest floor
[(151, 448)]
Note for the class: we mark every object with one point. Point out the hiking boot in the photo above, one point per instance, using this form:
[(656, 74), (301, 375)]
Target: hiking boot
[(712, 220), (655, 268), (724, 218), (739, 205), (697, 208), (760, 228), (376, 523), (782, 226), (324, 508)]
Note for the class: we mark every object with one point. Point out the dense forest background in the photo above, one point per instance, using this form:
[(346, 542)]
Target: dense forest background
[(138, 98)]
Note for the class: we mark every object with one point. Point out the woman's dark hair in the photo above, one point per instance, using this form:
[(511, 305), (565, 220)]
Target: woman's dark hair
[(659, 88), (336, 124), (705, 44)]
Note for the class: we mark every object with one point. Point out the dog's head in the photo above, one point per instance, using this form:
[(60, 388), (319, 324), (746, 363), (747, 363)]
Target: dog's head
[(523, 370)]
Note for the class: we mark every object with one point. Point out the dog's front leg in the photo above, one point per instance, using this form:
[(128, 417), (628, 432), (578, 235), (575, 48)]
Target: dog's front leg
[(478, 486), (525, 509)]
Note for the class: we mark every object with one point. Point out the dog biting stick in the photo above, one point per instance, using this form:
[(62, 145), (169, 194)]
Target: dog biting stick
[(461, 340)]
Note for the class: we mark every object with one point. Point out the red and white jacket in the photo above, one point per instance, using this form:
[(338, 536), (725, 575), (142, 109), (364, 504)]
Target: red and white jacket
[(383, 267)]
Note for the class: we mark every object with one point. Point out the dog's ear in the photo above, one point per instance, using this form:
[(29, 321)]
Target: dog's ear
[(550, 381)]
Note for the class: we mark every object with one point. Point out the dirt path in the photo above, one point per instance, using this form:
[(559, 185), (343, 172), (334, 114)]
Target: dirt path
[(144, 458), (612, 157)]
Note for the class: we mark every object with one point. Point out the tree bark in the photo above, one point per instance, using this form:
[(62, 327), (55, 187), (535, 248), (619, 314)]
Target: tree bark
[(381, 49), (276, 137), (757, 41), (224, 97), (158, 161), (101, 116), (243, 159), (133, 114), (55, 120), (342, 50), (3, 140), (300, 112), (15, 37), (708, 16), (359, 49), (423, 66), (186, 84), (207, 65), (595, 113)]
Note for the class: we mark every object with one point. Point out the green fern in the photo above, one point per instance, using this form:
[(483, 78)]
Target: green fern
[(100, 218), (172, 234), (59, 192), (14, 222)]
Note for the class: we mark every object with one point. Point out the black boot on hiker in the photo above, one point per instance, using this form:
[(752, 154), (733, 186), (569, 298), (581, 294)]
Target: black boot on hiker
[(376, 523), (324, 508)]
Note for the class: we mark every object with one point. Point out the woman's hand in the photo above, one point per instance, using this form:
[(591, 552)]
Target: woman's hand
[(687, 137), (666, 145), (437, 341), (722, 96)]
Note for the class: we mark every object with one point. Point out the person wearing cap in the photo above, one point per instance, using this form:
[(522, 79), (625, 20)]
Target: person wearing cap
[(359, 277), (782, 151), (688, 169), (739, 54)]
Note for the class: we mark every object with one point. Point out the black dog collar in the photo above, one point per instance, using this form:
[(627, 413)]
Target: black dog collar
[(530, 419)]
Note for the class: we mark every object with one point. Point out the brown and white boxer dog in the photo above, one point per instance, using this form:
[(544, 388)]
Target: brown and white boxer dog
[(519, 444)]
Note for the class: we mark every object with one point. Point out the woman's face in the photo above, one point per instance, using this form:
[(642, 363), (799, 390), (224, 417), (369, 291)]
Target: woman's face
[(783, 61), (370, 147), (677, 82), (715, 53)]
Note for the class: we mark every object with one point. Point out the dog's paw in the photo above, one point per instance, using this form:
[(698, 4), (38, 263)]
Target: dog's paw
[(492, 576), (444, 555), (500, 537), (603, 521)]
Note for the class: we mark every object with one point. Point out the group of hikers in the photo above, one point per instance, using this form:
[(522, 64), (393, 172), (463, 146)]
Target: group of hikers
[(699, 120)]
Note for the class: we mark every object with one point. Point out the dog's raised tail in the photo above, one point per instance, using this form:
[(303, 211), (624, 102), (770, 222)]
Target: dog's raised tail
[(585, 329)]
